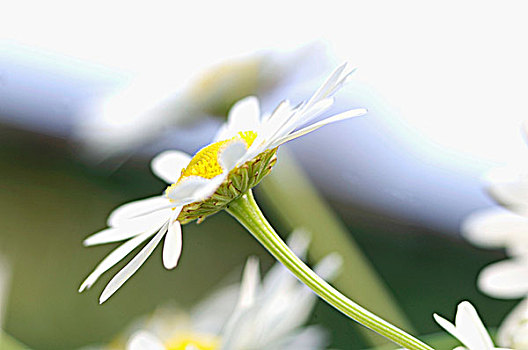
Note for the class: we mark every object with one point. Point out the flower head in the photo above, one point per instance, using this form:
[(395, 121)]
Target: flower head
[(242, 153), (468, 328)]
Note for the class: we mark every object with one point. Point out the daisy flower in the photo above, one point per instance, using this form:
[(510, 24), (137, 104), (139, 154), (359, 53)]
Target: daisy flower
[(242, 153), (468, 328)]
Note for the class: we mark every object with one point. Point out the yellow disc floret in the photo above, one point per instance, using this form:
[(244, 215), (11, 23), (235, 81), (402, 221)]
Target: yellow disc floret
[(237, 181), (193, 341), (205, 163)]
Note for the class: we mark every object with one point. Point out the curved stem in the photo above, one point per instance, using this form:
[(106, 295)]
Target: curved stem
[(247, 212)]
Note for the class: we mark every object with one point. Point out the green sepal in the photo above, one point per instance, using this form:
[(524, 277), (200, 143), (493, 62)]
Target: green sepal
[(239, 181)]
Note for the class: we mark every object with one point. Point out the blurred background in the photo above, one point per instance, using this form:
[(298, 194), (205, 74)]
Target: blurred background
[(91, 91)]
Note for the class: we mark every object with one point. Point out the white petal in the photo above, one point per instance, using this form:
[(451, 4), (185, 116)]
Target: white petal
[(470, 327), (509, 186), (212, 314), (137, 208), (270, 125), (231, 154), (194, 189), (306, 115), (299, 117), (512, 194), (169, 164), (172, 246), (329, 266), (315, 126), (307, 338), (245, 114), (496, 228), (250, 283), (298, 242), (110, 235), (513, 324), (281, 112), (127, 271), (142, 340), (445, 324), (113, 258), (329, 86), (505, 279), (130, 228)]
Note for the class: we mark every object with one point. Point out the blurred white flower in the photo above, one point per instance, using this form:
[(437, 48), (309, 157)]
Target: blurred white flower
[(505, 228), (468, 328), (259, 315), (142, 111), (243, 153)]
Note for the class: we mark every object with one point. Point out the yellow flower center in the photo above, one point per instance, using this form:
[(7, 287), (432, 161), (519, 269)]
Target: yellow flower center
[(193, 341), (205, 163)]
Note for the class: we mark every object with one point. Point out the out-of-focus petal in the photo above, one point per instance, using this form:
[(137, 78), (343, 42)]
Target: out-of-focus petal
[(513, 331), (475, 335), (245, 114), (468, 328), (509, 186), (494, 228), (250, 283), (505, 279), (143, 340)]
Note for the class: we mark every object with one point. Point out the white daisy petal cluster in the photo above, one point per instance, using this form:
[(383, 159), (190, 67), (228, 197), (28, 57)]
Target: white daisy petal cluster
[(242, 153), (506, 228), (259, 315), (468, 328)]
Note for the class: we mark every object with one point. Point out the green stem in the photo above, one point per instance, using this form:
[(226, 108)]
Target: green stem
[(294, 200), (247, 212)]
